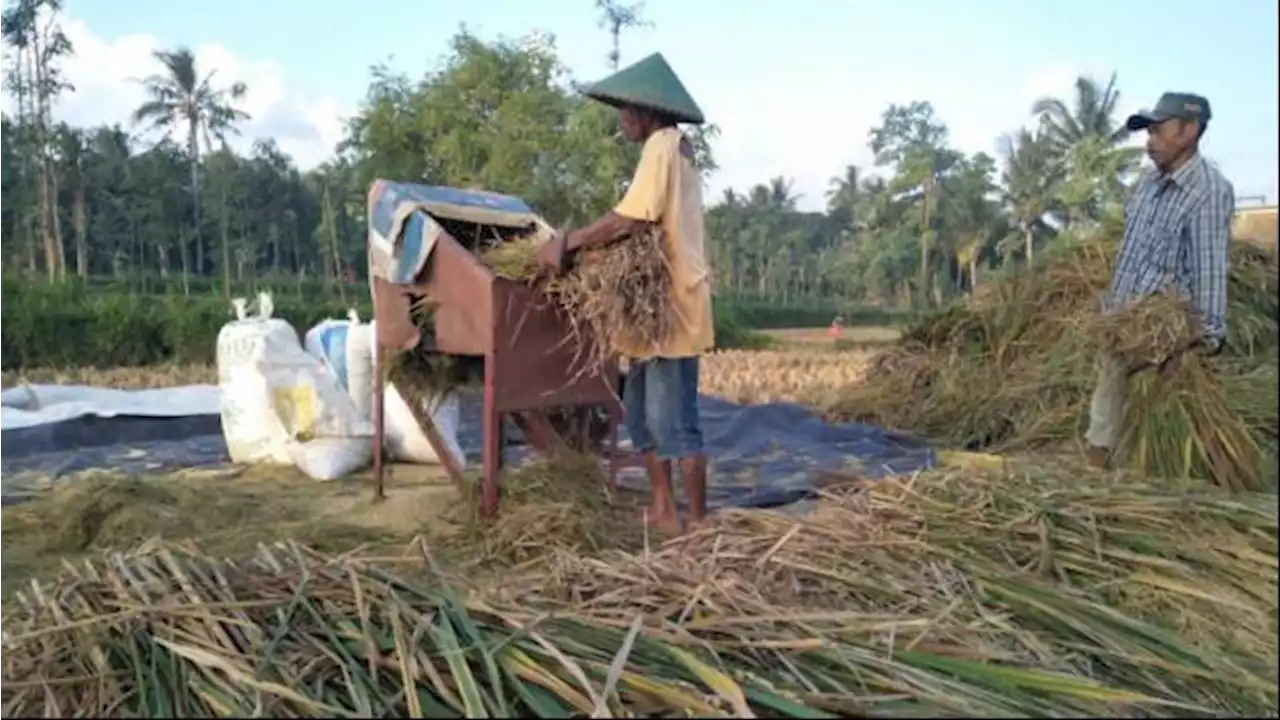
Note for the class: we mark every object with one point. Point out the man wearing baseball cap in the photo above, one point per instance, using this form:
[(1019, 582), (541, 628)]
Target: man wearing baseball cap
[(1177, 225)]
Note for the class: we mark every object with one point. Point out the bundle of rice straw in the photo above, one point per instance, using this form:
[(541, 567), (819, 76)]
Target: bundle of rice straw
[(1014, 368), (1145, 333), (938, 596), (516, 258), (1179, 423), (616, 298)]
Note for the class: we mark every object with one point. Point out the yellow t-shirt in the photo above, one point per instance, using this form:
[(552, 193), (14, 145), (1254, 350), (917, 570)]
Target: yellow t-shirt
[(667, 190)]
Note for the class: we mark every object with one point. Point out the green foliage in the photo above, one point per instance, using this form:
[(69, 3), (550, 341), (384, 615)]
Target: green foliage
[(67, 326), (765, 315), (731, 334), (78, 325), (504, 115)]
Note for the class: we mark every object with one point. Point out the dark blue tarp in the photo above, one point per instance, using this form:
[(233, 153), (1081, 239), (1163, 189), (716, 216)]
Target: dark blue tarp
[(761, 455)]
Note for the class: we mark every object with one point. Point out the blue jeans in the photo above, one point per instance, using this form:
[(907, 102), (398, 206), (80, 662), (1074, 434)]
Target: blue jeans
[(661, 400)]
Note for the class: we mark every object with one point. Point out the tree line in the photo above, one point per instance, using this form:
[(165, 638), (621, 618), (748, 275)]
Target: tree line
[(166, 197)]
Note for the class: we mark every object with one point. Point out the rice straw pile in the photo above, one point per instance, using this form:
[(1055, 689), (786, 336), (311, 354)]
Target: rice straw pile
[(516, 258), (616, 298), (563, 502), (1014, 368), (939, 596)]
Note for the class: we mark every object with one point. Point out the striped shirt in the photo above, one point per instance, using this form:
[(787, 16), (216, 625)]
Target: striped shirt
[(1176, 232)]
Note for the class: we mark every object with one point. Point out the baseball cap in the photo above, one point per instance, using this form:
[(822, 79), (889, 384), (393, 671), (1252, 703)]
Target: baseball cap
[(1183, 106)]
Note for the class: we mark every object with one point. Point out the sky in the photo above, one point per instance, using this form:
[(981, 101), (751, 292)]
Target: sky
[(794, 86)]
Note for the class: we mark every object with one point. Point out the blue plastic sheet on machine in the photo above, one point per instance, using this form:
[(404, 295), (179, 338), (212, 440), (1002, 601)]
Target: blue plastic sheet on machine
[(761, 455)]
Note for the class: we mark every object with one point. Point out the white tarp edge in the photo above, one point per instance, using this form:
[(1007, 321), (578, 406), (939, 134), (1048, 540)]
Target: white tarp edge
[(30, 405)]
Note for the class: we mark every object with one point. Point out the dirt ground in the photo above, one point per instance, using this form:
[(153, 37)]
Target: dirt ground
[(228, 510)]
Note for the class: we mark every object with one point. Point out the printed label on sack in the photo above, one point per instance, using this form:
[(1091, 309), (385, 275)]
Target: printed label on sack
[(295, 405), (233, 351)]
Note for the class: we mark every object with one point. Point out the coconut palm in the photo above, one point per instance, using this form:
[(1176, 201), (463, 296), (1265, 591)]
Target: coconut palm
[(616, 17), (180, 98), (1031, 179), (967, 217), (1087, 137), (1091, 114), (842, 190)]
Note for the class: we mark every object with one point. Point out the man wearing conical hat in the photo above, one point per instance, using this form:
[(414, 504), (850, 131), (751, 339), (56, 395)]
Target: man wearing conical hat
[(661, 388)]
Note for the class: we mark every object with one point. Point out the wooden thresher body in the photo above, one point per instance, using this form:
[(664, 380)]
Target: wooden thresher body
[(522, 338)]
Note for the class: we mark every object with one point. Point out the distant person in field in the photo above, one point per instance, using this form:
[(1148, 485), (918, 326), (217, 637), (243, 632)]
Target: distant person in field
[(660, 391), (837, 327), (1177, 225)]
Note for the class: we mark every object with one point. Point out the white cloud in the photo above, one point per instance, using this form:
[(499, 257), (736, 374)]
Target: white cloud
[(806, 127), (105, 74)]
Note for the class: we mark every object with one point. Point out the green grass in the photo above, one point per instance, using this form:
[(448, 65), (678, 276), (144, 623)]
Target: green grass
[(78, 324)]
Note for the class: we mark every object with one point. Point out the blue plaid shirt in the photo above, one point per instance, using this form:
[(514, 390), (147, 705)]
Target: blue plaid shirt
[(1176, 231)]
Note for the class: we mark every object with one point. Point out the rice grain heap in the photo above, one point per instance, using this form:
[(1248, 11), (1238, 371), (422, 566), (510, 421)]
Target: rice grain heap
[(943, 595), (1013, 368)]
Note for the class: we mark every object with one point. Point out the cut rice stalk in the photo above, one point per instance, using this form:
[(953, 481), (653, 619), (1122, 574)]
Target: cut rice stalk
[(1178, 424)]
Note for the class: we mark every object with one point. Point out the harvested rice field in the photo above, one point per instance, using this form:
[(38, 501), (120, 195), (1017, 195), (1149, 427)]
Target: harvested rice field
[(802, 374), (849, 337)]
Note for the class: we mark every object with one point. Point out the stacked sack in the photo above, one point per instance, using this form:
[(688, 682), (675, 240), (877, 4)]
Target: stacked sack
[(280, 405), (348, 347)]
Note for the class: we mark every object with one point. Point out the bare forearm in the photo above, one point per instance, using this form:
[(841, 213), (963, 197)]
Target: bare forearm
[(610, 228)]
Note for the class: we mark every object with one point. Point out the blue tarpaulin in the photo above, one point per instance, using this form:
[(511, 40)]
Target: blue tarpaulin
[(761, 455), (402, 231)]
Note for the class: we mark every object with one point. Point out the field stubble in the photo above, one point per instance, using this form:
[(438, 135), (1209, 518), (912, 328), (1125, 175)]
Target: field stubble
[(946, 594), (1107, 597), (809, 374)]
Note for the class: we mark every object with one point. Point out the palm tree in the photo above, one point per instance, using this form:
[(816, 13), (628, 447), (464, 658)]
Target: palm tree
[(1094, 179), (1087, 143), (875, 212), (616, 17), (1031, 179), (179, 97), (842, 190), (968, 216), (1092, 114)]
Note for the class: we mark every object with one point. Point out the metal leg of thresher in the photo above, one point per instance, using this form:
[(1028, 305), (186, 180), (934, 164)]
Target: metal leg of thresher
[(492, 441), (379, 423), (538, 431), (451, 467), (618, 460), (615, 462)]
